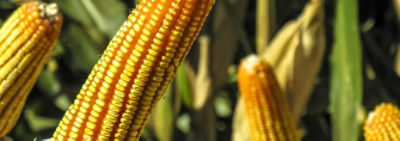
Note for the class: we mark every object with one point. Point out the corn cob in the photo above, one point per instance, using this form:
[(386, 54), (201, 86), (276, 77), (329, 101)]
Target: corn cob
[(267, 110), (383, 124), (131, 76), (26, 41)]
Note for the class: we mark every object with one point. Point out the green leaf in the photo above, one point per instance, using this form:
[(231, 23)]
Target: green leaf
[(137, 2), (163, 117), (58, 50), (346, 85), (82, 49), (62, 102), (222, 104), (232, 73), (38, 123), (48, 82), (184, 86), (183, 123), (22, 132), (7, 4), (75, 10), (108, 15)]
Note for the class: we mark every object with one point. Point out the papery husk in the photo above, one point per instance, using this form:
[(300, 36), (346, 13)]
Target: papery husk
[(240, 124), (296, 54), (397, 8), (265, 23), (397, 61)]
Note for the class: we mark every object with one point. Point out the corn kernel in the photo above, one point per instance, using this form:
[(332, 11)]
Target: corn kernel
[(26, 41), (383, 123), (266, 108), (141, 46)]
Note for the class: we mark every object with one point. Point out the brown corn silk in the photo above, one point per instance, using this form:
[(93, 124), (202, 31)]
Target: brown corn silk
[(267, 110), (383, 123), (133, 73), (26, 41)]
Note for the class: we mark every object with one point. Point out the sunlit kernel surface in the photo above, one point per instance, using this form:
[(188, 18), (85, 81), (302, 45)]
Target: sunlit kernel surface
[(26, 41), (267, 110), (116, 100), (383, 123)]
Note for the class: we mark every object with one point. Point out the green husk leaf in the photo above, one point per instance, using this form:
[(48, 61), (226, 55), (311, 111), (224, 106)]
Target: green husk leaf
[(38, 123), (58, 49), (74, 9), (83, 52), (223, 104), (346, 86), (183, 123), (62, 102), (7, 4), (184, 86), (108, 15), (163, 117), (48, 82)]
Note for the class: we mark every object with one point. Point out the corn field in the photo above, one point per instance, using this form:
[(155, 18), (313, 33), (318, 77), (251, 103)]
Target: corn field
[(199, 70)]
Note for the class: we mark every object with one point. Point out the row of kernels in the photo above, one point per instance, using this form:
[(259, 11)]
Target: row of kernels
[(12, 50), (5, 72), (14, 43), (10, 74), (103, 86), (9, 36), (107, 127), (24, 84)]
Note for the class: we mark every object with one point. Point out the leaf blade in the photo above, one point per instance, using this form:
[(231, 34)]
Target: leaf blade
[(346, 86)]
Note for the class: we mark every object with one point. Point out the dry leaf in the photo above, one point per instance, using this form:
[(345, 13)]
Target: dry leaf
[(265, 23), (240, 125), (296, 54), (397, 7), (202, 89), (203, 119), (397, 61)]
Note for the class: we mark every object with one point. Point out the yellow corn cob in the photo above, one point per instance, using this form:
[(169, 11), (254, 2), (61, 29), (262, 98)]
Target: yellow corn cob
[(131, 76), (26, 41), (266, 108), (383, 124)]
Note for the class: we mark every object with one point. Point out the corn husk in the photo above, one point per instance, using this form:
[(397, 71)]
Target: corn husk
[(240, 124), (397, 61), (296, 54), (397, 7)]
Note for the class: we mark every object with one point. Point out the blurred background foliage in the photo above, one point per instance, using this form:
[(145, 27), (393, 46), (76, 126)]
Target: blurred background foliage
[(200, 102)]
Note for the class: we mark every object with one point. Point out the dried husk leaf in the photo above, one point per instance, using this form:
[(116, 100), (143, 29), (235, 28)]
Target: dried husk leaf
[(397, 7), (296, 54), (240, 124), (397, 61), (202, 89), (265, 23)]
